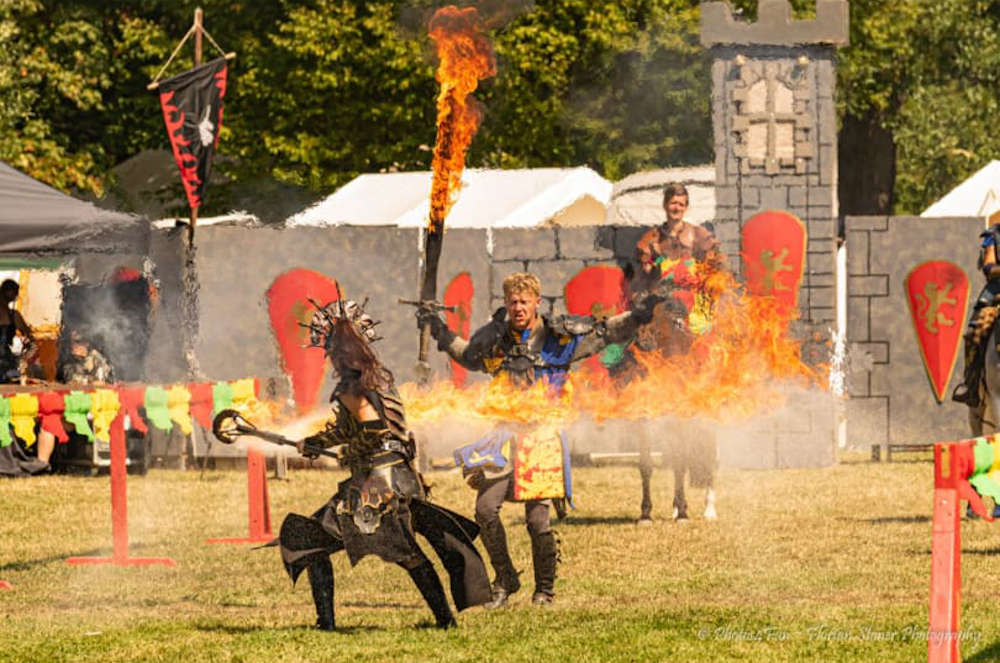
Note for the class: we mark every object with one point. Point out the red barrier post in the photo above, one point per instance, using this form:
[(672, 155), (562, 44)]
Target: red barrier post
[(259, 504), (119, 508), (946, 556)]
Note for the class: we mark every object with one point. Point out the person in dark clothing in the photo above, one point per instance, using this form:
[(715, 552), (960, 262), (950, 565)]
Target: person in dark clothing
[(11, 324), (380, 508)]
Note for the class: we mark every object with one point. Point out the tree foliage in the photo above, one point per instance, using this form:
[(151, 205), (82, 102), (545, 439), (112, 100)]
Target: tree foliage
[(322, 90)]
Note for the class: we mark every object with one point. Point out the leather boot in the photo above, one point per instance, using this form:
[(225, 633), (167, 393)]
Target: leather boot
[(429, 584), (544, 555), (968, 391), (321, 581), (506, 581)]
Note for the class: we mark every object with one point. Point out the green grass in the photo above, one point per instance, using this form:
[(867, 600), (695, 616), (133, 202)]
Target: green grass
[(802, 565)]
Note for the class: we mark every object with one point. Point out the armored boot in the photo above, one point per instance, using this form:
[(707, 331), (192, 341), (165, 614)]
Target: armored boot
[(427, 581), (506, 581), (321, 580), (968, 391), (544, 555)]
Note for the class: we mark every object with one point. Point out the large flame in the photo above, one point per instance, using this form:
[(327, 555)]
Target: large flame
[(465, 55), (737, 370)]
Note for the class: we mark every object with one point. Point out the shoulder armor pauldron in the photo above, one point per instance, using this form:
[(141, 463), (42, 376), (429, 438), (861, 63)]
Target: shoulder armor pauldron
[(572, 325)]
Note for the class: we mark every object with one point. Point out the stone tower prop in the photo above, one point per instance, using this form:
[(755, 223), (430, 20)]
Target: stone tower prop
[(775, 132), (775, 140)]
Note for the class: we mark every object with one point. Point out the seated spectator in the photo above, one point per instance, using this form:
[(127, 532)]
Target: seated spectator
[(12, 324), (83, 364)]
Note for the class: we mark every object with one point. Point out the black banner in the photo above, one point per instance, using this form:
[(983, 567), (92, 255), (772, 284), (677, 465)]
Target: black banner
[(192, 111)]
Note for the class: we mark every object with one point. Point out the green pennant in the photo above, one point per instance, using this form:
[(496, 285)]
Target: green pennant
[(5, 439), (77, 409)]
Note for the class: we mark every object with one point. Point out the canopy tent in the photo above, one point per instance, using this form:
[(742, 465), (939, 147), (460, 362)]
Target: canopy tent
[(521, 198), (979, 195), (637, 200), (37, 219)]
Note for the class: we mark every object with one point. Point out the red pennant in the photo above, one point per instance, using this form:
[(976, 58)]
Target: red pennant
[(774, 248), (201, 403), (938, 294), (132, 399), (459, 294), (50, 412), (288, 305), (598, 290)]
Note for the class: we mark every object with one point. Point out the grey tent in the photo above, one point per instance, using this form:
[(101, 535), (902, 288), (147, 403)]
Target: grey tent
[(37, 219)]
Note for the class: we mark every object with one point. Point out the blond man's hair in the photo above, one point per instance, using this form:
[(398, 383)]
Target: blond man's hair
[(522, 282)]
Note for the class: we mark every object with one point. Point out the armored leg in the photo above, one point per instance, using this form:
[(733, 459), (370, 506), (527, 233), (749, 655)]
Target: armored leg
[(544, 552), (968, 391), (429, 584), (321, 581), (488, 502)]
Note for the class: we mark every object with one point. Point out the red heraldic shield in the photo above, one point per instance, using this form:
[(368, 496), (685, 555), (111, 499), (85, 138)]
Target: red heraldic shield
[(774, 248), (288, 305), (192, 111), (599, 291), (459, 294), (938, 294)]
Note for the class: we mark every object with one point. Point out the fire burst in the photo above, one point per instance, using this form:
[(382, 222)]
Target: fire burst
[(465, 56), (737, 370)]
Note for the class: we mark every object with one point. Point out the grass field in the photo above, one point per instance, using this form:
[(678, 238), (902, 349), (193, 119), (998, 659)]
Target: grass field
[(802, 565)]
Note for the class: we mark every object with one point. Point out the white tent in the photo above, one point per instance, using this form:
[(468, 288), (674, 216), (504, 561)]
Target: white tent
[(522, 198), (977, 196), (638, 199)]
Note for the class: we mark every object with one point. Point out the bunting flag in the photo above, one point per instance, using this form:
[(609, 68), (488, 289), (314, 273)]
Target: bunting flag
[(5, 438), (192, 110), (222, 397), (178, 405), (201, 403), (77, 409), (92, 413), (50, 412), (938, 294), (155, 403), (132, 399), (23, 411), (104, 406)]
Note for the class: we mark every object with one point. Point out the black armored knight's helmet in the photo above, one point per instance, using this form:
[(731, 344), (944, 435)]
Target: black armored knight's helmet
[(326, 318)]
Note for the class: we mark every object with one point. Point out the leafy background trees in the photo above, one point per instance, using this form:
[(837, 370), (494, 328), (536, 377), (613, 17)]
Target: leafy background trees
[(325, 89)]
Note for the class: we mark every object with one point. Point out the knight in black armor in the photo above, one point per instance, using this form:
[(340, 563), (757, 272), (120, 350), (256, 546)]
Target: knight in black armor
[(977, 332), (380, 508), (525, 346)]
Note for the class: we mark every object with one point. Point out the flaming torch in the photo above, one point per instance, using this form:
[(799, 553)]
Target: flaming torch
[(465, 56)]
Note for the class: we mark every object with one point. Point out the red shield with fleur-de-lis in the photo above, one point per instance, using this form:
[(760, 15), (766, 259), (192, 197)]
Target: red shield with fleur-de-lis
[(774, 249), (938, 294), (459, 294)]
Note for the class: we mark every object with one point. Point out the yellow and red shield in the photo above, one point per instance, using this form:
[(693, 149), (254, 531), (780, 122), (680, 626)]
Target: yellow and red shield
[(938, 294), (541, 465), (774, 248), (459, 294)]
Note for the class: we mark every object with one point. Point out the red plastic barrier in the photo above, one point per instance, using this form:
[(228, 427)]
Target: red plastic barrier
[(119, 508), (259, 506), (951, 471)]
